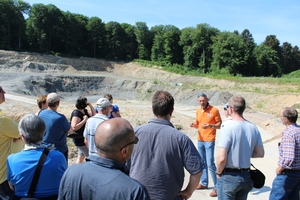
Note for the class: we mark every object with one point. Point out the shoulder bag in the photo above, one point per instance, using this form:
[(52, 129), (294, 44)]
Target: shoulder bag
[(257, 177)]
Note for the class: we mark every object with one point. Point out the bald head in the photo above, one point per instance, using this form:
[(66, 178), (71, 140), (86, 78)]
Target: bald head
[(112, 135)]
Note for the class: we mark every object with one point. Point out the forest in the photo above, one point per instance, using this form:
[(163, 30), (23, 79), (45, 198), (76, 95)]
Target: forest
[(203, 49)]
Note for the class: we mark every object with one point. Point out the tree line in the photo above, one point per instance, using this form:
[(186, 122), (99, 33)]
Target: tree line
[(203, 48)]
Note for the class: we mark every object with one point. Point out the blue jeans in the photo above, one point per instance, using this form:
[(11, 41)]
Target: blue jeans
[(206, 151), (234, 185), (286, 185)]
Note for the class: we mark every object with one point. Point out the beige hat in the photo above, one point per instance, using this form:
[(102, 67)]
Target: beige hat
[(52, 97), (103, 102)]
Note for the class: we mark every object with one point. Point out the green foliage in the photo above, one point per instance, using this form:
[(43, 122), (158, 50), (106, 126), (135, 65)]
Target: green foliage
[(96, 29), (193, 50), (267, 61), (229, 52)]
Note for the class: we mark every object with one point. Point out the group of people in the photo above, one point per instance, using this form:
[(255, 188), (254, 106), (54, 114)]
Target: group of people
[(144, 162)]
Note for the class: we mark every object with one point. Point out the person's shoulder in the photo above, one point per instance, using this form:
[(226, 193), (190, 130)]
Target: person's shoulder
[(77, 113), (75, 170), (55, 154), (214, 108)]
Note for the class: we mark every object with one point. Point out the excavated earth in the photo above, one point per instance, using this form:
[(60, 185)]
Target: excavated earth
[(25, 76)]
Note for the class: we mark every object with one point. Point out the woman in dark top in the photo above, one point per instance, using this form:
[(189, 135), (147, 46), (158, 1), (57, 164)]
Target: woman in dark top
[(78, 119)]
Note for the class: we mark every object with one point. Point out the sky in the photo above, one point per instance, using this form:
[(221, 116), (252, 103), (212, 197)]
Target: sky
[(261, 17)]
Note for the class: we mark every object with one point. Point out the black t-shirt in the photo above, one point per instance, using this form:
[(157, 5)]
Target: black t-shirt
[(77, 113)]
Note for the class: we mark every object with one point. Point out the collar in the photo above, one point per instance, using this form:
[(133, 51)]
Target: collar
[(207, 107), (161, 121), (100, 115), (33, 146), (107, 163)]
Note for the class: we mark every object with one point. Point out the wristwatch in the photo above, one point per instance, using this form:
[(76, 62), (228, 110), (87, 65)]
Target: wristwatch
[(212, 126)]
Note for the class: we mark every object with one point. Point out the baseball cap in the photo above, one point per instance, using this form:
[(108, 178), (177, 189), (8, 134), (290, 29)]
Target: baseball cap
[(103, 102), (52, 97)]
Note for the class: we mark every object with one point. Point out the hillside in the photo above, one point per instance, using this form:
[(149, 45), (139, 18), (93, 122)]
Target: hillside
[(34, 74)]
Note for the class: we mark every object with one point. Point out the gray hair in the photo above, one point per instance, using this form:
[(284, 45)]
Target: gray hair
[(32, 128)]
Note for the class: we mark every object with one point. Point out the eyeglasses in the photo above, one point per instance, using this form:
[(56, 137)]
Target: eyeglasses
[(226, 106), (201, 95), (136, 140)]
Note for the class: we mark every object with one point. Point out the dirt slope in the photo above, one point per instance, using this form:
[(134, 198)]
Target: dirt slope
[(132, 86)]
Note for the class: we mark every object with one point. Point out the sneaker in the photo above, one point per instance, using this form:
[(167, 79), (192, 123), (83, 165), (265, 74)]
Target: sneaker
[(213, 193), (200, 187)]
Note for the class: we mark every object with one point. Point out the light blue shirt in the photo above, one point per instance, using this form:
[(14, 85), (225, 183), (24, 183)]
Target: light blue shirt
[(240, 138)]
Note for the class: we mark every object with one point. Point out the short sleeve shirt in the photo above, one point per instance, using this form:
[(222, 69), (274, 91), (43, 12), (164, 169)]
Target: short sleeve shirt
[(159, 158), (240, 138)]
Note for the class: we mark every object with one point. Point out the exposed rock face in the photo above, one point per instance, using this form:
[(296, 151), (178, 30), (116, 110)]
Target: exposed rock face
[(35, 74)]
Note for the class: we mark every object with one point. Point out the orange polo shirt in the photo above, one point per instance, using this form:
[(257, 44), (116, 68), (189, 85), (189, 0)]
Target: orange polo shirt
[(210, 115)]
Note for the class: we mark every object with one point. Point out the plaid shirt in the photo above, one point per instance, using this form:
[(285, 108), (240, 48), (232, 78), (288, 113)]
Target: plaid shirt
[(289, 148)]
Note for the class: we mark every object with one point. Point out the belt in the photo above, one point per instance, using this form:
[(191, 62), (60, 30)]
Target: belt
[(236, 170), (292, 170)]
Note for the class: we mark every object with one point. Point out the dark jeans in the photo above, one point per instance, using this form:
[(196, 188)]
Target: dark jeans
[(286, 185), (5, 191)]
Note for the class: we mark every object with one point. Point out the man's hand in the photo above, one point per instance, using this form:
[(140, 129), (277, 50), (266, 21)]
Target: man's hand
[(184, 194), (192, 124), (279, 170), (205, 126)]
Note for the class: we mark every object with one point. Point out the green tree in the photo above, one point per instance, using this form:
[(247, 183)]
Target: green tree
[(144, 40), (229, 51), (130, 42), (172, 49), (45, 23), (267, 60), (186, 42), (157, 50), (115, 45), (12, 23), (251, 64), (296, 58), (76, 34), (202, 41), (96, 29), (287, 58), (272, 42)]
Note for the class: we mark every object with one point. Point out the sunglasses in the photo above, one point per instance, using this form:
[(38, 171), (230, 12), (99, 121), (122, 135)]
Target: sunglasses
[(201, 95), (136, 140)]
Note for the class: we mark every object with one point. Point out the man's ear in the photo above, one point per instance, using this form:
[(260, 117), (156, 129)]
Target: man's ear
[(22, 138), (124, 152), (171, 112)]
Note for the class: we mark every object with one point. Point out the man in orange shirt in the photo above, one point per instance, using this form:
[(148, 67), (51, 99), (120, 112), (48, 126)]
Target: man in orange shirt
[(207, 121)]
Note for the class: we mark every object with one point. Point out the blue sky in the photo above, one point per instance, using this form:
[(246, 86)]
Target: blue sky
[(260, 17)]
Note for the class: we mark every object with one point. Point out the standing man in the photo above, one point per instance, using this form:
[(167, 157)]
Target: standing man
[(239, 141), (207, 122), (10, 142), (159, 159), (286, 184), (104, 108), (57, 126), (105, 176)]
